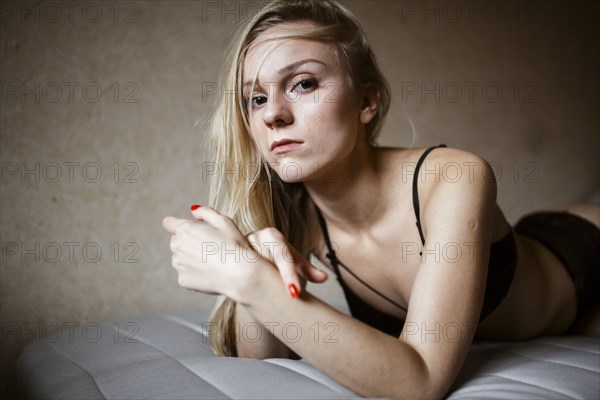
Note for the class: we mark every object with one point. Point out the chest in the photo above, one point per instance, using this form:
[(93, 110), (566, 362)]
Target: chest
[(379, 265)]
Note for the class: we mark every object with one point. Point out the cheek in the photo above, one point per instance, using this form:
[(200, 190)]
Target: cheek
[(258, 135), (335, 122)]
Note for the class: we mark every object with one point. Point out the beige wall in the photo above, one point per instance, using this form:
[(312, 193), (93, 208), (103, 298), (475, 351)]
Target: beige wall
[(154, 62)]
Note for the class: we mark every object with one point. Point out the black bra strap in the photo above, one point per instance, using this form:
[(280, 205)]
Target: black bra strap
[(415, 193), (330, 253), (335, 262)]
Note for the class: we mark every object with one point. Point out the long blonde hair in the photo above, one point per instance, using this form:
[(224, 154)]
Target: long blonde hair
[(244, 186)]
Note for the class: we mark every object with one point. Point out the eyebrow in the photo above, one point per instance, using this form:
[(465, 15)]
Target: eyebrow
[(290, 67)]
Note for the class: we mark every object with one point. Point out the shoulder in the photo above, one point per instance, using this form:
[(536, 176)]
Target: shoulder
[(441, 165), (446, 176), (444, 166), (450, 179)]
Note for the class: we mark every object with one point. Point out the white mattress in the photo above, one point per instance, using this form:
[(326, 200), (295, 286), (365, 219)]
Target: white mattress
[(168, 357)]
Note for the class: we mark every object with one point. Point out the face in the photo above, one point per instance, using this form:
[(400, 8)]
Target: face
[(305, 115)]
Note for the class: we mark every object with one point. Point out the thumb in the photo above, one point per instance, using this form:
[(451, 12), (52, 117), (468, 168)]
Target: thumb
[(304, 267), (312, 273)]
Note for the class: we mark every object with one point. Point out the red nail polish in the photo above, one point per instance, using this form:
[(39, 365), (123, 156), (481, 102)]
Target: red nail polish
[(195, 206), (293, 290)]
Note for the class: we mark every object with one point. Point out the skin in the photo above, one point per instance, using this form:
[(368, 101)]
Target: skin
[(363, 192)]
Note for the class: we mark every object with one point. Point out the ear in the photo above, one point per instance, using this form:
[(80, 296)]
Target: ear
[(368, 107)]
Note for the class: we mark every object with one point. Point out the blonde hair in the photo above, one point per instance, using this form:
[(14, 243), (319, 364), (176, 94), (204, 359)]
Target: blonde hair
[(261, 199)]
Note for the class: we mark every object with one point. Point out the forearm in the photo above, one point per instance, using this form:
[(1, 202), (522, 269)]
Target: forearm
[(254, 340), (363, 359)]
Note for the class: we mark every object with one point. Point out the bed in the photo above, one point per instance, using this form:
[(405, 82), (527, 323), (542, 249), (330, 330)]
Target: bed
[(167, 356)]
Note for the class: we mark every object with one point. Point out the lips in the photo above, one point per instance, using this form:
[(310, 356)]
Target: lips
[(285, 145)]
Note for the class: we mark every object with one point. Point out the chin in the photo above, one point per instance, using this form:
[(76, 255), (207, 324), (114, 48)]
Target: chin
[(292, 178), (293, 171)]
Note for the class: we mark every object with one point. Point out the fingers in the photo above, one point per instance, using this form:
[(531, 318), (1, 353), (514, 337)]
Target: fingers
[(269, 243), (287, 270), (211, 216), (303, 267), (171, 223), (293, 268), (312, 273)]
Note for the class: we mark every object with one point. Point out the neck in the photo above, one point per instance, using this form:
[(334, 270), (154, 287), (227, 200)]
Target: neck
[(351, 195)]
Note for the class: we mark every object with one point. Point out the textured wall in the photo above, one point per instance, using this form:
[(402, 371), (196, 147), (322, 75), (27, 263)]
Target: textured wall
[(99, 102)]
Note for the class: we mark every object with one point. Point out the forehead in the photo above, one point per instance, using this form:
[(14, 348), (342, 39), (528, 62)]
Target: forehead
[(273, 50)]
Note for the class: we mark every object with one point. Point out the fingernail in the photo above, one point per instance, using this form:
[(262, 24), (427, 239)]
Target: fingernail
[(195, 206), (293, 290)]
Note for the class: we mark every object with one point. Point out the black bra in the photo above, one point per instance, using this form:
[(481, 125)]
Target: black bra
[(501, 269)]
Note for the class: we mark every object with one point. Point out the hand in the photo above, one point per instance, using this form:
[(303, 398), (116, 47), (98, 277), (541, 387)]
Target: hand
[(293, 267), (271, 245), (213, 256)]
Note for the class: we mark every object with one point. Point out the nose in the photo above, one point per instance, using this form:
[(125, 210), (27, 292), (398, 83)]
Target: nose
[(277, 112)]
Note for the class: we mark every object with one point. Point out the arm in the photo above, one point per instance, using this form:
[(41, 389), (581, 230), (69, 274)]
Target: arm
[(263, 344), (260, 343), (444, 305), (216, 238), (447, 294), (363, 359)]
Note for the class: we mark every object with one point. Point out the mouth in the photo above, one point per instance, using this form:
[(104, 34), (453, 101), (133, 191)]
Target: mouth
[(285, 145)]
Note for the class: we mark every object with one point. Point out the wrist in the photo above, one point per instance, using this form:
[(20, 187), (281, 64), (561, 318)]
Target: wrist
[(255, 283)]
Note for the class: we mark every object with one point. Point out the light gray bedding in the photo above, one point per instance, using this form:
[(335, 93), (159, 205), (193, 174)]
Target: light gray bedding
[(168, 357)]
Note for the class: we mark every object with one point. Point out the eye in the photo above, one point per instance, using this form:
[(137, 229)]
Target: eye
[(257, 100), (305, 84)]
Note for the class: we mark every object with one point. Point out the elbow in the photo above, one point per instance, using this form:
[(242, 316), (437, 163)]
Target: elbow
[(419, 389), (263, 352), (434, 391), (423, 381)]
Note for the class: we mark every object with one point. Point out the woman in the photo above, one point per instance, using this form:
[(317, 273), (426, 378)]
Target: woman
[(310, 100)]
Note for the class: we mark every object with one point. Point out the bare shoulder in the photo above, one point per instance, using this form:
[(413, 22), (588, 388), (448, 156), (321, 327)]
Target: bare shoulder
[(451, 179), (444, 166), (446, 158), (459, 186), (441, 165)]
